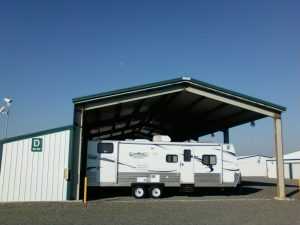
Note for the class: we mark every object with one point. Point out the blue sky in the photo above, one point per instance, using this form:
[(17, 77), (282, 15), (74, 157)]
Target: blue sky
[(52, 51)]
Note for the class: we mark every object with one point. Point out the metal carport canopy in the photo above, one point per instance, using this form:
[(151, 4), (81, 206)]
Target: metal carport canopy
[(183, 108)]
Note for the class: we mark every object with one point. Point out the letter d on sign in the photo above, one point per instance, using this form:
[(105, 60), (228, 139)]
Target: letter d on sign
[(37, 144)]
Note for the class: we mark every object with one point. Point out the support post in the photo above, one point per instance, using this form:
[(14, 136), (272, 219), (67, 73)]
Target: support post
[(226, 135), (85, 192), (279, 158), (77, 151)]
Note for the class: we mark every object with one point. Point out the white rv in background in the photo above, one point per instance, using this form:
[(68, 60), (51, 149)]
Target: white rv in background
[(151, 166)]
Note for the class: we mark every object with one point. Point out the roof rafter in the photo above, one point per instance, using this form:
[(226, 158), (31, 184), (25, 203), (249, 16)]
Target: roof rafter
[(160, 106), (136, 111), (118, 109)]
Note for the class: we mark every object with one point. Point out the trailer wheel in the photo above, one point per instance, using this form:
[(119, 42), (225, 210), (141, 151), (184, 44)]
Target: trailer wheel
[(138, 191), (156, 191)]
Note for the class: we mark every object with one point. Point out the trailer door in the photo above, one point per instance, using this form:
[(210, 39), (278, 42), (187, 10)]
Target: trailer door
[(107, 162), (186, 167)]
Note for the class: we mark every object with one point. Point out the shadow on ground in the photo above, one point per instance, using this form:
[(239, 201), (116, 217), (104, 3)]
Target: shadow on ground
[(291, 194), (102, 193), (264, 184), (292, 188), (249, 187)]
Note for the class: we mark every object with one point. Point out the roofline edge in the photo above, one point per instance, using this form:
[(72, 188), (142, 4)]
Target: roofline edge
[(35, 134)]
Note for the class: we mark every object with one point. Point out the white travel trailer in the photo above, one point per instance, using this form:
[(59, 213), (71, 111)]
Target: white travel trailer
[(153, 165)]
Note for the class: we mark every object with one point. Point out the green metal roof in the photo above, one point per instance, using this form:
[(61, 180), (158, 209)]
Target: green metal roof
[(181, 80), (36, 134)]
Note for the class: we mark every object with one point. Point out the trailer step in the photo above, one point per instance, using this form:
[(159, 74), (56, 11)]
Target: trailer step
[(187, 188)]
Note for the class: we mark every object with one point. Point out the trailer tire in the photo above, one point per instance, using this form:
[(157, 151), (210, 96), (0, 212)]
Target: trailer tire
[(138, 191), (155, 191)]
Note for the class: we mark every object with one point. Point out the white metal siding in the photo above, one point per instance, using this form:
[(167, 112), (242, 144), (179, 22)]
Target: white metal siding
[(296, 170), (35, 176), (253, 166), (294, 165)]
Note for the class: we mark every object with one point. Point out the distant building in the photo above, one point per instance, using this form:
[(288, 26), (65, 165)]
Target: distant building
[(291, 166), (253, 165), (265, 166)]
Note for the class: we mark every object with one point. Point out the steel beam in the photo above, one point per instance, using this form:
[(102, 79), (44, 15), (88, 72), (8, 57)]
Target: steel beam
[(226, 135), (202, 127), (118, 110), (123, 119), (136, 97), (78, 148), (135, 112), (230, 101), (192, 105), (153, 109)]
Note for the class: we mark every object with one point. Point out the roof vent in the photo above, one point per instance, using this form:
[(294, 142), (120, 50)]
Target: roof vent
[(186, 78), (161, 138)]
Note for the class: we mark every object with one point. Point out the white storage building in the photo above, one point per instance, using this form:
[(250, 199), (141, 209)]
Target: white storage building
[(253, 165), (291, 166), (265, 166), (35, 167)]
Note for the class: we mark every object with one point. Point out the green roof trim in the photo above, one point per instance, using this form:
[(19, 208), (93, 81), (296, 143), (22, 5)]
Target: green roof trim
[(240, 95), (125, 90), (181, 80), (36, 134)]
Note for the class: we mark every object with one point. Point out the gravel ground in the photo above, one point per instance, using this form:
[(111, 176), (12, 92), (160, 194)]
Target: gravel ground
[(255, 205)]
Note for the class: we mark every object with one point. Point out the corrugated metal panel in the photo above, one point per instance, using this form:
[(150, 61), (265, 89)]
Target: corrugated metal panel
[(35, 176)]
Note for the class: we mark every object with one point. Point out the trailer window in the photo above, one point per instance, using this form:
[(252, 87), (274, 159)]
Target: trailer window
[(187, 155), (105, 148), (209, 159), (172, 158)]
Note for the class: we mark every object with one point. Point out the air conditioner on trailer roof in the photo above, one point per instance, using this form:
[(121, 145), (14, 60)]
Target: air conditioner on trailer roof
[(161, 138)]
